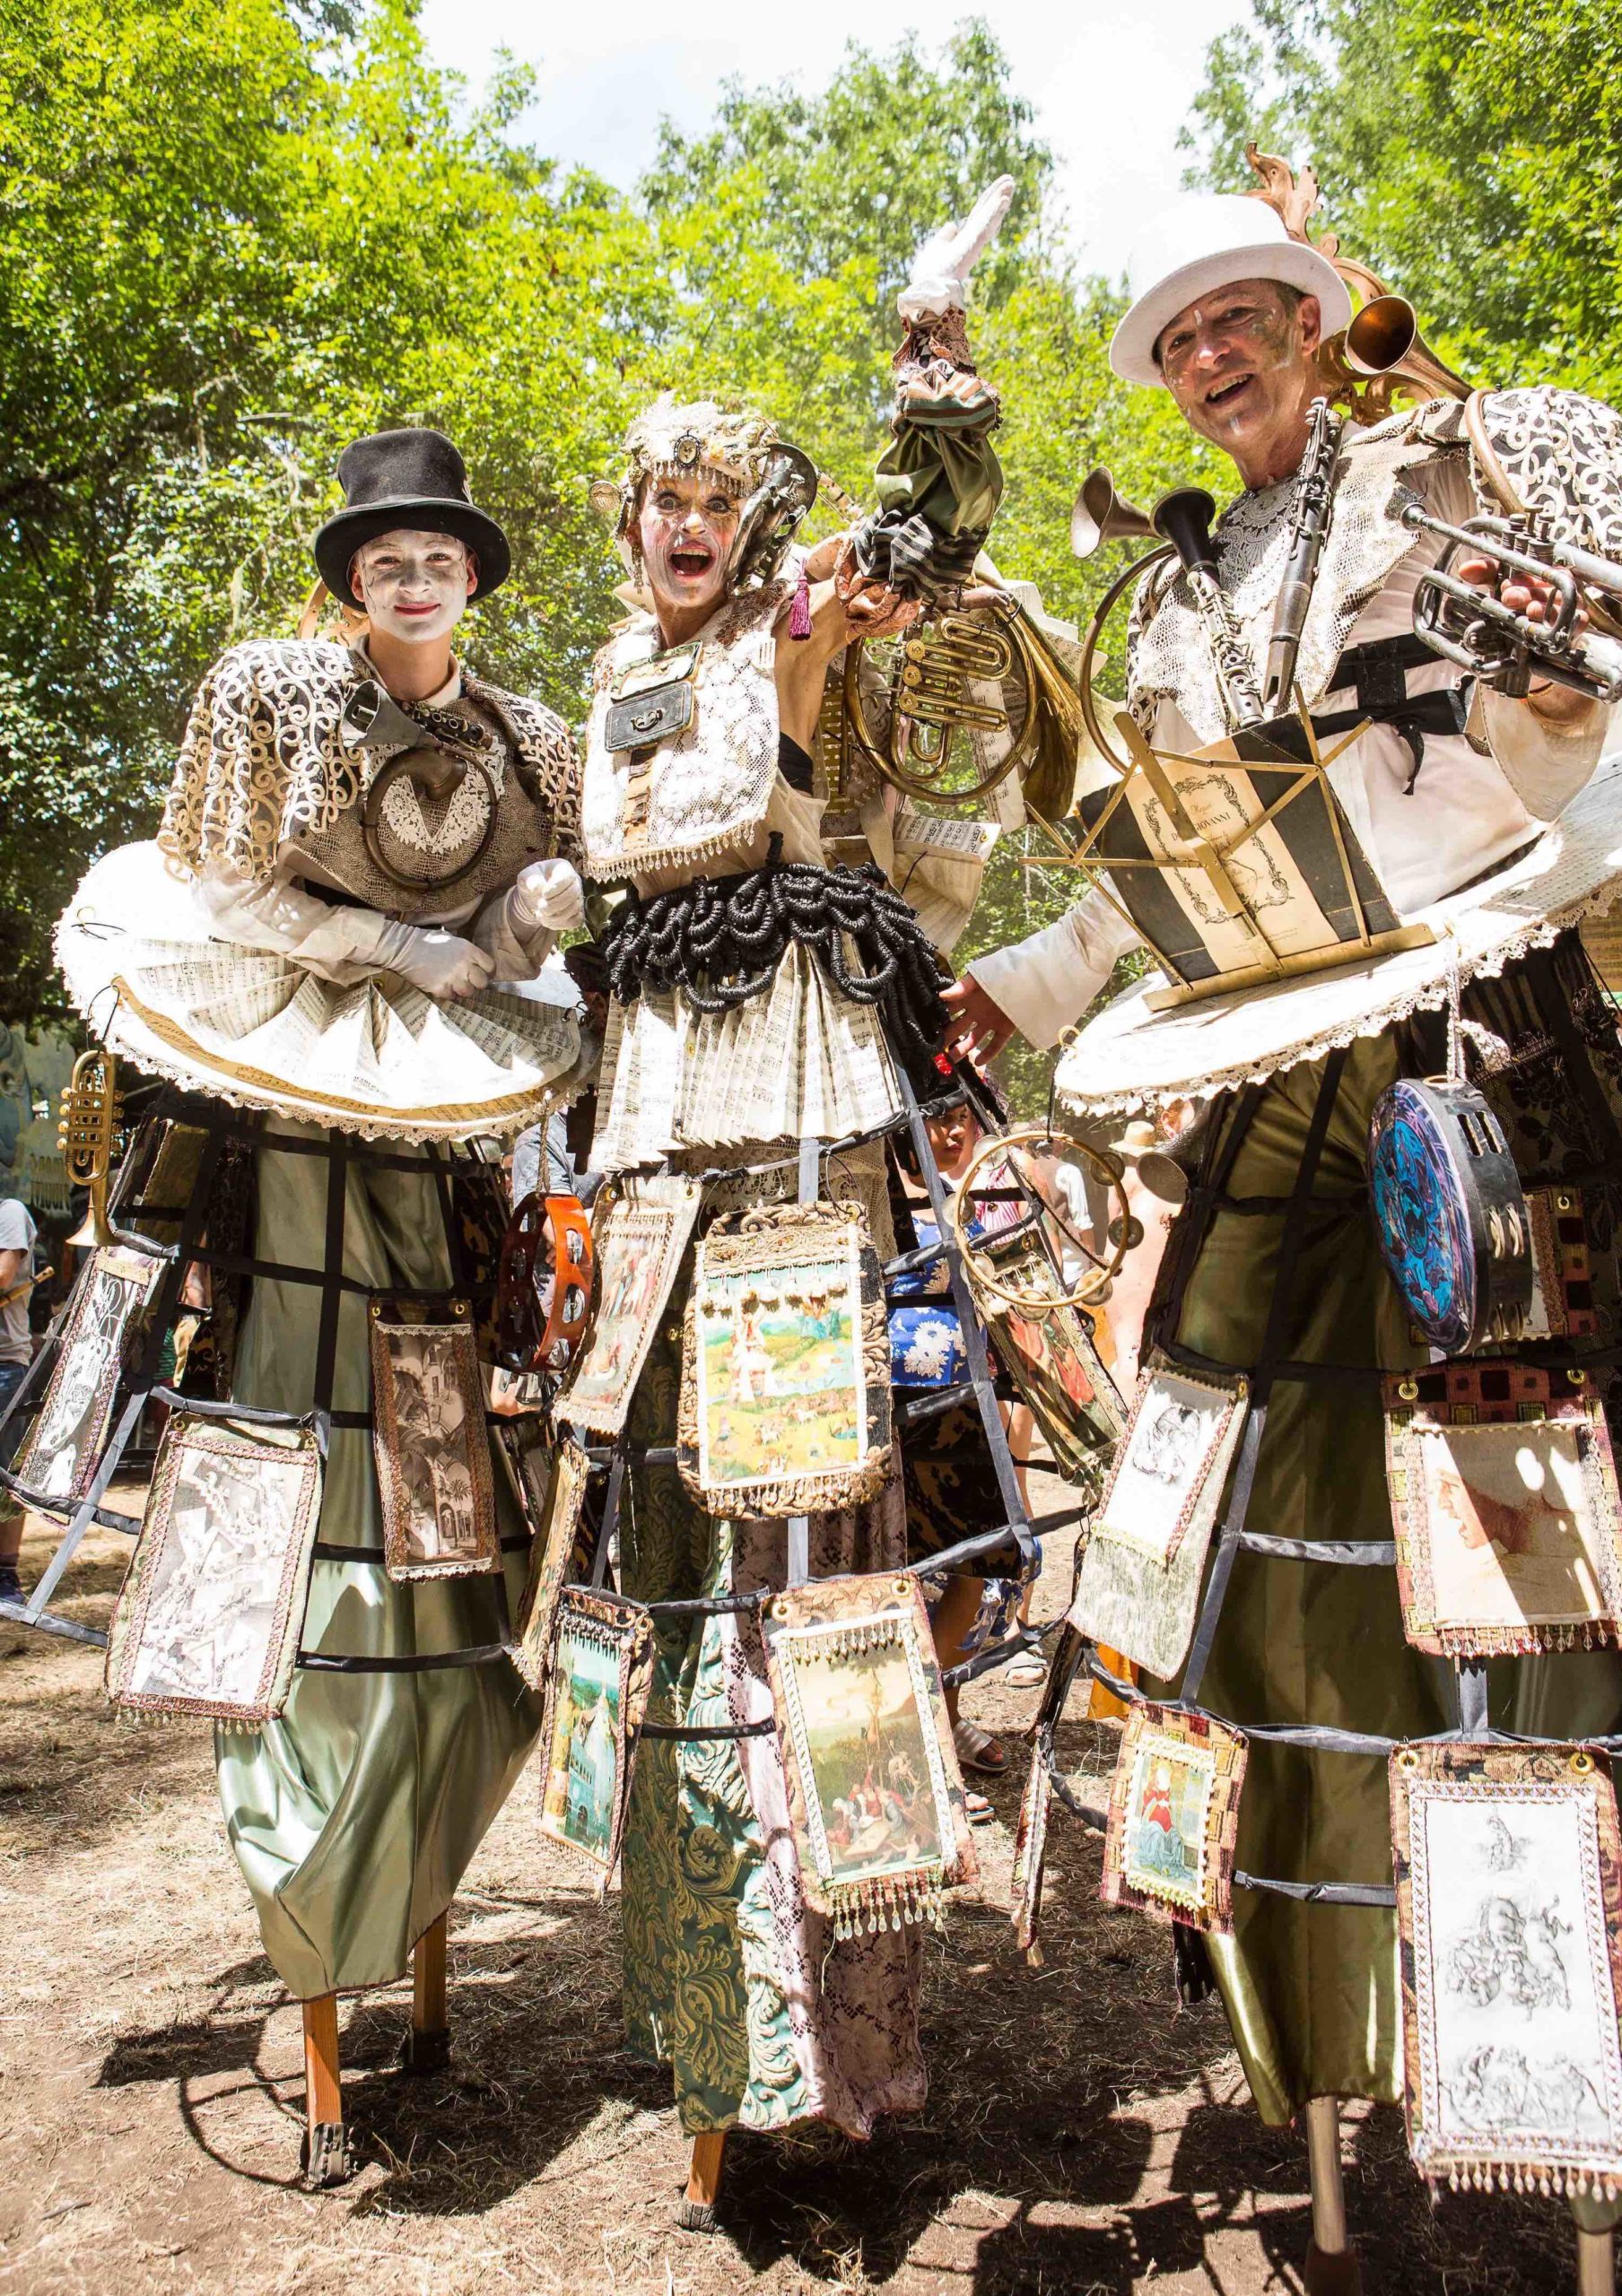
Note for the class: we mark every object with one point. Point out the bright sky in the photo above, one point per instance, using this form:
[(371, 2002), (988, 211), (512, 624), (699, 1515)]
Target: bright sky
[(1111, 83)]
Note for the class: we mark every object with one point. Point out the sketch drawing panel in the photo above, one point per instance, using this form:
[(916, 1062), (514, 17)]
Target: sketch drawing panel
[(1508, 1904), (59, 1453), (1175, 1436), (432, 1449)]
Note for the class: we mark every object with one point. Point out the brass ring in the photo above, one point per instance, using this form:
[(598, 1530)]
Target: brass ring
[(1091, 1290)]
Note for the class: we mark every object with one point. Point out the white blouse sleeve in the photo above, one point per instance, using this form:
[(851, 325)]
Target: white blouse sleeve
[(1047, 982)]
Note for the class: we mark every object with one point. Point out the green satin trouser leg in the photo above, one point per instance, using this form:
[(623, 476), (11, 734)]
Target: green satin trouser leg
[(355, 1816)]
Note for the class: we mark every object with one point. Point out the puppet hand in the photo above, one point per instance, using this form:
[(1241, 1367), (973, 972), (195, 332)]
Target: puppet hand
[(941, 268), (441, 964), (549, 893)]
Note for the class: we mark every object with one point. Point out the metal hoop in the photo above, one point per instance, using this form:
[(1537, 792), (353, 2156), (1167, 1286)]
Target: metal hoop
[(1122, 764), (1093, 1286)]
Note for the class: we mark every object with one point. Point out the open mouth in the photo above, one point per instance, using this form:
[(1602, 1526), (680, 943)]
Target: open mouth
[(1223, 398), (691, 560)]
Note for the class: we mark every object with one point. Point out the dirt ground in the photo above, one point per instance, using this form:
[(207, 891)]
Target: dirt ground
[(1082, 2133)]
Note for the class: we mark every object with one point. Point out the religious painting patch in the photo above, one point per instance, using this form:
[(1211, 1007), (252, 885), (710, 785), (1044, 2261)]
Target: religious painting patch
[(1509, 1910), (1508, 1530), (432, 1451), (1174, 1817), (597, 1694), (785, 1402), (209, 1616), (875, 1793), (62, 1449), (1138, 1586), (641, 1237)]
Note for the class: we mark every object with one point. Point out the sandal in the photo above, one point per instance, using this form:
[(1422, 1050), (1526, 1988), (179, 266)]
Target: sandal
[(1024, 1673), (976, 1808), (977, 1749)]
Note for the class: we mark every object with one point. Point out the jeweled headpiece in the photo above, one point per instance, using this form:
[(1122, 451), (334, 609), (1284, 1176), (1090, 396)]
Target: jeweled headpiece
[(733, 446)]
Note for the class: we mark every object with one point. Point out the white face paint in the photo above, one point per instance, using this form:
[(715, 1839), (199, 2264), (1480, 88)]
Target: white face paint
[(414, 586)]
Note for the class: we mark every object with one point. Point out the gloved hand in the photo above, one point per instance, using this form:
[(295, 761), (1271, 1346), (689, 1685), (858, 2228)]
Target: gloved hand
[(440, 964), (941, 268), (548, 893)]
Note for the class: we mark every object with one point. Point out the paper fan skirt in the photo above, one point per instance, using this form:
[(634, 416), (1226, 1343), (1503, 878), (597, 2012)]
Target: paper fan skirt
[(378, 1058)]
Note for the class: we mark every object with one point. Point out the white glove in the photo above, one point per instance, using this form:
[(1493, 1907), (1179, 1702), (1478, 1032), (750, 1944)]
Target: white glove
[(941, 268), (441, 964), (548, 893)]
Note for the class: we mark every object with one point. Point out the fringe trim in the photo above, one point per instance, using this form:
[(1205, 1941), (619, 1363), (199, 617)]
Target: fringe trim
[(891, 1902), (485, 1567), (164, 1713), (1552, 2180), (649, 857), (1431, 996), (1525, 1642)]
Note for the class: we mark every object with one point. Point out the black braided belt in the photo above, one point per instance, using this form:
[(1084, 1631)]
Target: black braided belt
[(719, 940)]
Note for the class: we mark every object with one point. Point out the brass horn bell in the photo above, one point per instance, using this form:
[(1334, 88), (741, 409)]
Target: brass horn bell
[(1383, 342), (1101, 515)]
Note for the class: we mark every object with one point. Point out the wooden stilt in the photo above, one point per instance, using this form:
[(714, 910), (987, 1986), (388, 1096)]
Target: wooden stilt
[(696, 2212), (428, 2044), (1331, 2263), (1596, 2264), (325, 2149)]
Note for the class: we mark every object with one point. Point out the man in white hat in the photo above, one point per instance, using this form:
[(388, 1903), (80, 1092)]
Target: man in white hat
[(1450, 781)]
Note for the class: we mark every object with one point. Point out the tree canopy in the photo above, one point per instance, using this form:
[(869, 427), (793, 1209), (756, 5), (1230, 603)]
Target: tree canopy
[(1470, 150)]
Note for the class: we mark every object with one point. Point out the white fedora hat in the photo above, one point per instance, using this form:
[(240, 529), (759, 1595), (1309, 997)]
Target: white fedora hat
[(1207, 239)]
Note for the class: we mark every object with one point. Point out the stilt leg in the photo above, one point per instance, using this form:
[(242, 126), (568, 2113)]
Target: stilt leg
[(1331, 2264), (428, 2043), (697, 2210), (326, 2159), (1596, 2265)]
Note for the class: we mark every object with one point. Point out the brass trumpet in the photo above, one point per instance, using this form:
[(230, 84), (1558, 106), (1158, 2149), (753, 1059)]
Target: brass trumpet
[(91, 1115), (1383, 344)]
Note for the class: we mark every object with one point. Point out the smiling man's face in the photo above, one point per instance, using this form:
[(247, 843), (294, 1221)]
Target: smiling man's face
[(1239, 364)]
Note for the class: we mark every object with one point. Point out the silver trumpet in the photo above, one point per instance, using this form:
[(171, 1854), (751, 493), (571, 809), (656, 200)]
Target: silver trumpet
[(1499, 646)]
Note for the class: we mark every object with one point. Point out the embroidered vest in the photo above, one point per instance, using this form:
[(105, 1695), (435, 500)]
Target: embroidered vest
[(706, 788)]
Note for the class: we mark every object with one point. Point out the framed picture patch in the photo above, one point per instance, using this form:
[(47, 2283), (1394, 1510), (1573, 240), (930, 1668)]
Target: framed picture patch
[(875, 1793), (1508, 1530), (1139, 1586), (641, 1237), (597, 1694), (60, 1452), (1509, 1909), (785, 1402), (432, 1450), (1174, 1816), (562, 1551), (209, 1616)]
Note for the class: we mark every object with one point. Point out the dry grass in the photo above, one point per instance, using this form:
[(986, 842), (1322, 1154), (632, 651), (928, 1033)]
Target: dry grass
[(1081, 2133)]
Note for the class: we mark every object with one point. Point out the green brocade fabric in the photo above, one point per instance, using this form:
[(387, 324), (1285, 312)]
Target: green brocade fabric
[(354, 1817), (1311, 1990), (728, 1977)]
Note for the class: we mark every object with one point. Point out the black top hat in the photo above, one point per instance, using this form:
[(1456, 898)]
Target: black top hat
[(413, 479)]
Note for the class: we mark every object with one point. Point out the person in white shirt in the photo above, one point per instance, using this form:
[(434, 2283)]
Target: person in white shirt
[(1447, 784)]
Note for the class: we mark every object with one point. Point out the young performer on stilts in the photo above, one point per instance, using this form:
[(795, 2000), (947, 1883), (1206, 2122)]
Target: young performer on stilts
[(359, 846), (1448, 784), (722, 1055)]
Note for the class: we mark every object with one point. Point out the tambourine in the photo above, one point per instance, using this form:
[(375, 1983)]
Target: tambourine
[(1450, 1213), (1124, 1231), (523, 1343)]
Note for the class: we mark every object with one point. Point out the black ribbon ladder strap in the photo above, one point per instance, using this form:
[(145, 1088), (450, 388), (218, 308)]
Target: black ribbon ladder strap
[(1261, 1376)]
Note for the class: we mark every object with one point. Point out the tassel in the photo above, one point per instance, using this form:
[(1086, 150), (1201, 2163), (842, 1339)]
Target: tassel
[(800, 616)]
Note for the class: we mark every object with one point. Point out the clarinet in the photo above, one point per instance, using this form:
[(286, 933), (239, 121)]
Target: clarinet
[(1314, 496), (1183, 519)]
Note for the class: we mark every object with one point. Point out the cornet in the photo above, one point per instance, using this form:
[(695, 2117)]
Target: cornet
[(90, 1112), (1499, 646)]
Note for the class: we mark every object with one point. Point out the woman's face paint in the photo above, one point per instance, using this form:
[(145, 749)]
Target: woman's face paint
[(686, 528), (414, 586)]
